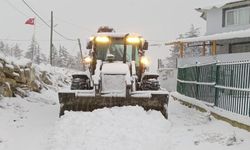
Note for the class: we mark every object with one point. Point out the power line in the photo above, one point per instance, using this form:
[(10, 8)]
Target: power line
[(18, 10), (76, 25), (46, 22), (15, 8), (26, 40)]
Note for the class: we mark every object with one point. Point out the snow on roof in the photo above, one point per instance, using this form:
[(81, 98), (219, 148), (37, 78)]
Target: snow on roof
[(219, 36), (114, 34), (221, 4)]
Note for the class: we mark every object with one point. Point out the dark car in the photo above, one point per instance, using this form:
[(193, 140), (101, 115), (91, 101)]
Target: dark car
[(150, 82), (80, 82)]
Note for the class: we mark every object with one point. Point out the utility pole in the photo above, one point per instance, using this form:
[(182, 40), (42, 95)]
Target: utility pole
[(51, 38), (80, 47)]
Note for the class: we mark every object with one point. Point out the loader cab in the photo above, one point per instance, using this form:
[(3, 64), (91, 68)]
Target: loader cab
[(120, 51), (122, 47)]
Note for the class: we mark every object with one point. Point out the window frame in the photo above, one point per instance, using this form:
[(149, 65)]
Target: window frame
[(235, 9)]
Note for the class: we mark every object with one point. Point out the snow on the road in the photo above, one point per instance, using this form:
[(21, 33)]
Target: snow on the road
[(122, 128), (33, 123), (195, 130), (25, 123), (133, 128)]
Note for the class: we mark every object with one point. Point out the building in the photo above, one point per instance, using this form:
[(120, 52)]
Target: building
[(227, 31), (220, 75)]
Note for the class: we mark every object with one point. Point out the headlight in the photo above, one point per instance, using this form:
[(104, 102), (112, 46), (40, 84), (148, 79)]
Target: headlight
[(102, 39), (91, 38), (133, 40), (87, 60), (145, 61)]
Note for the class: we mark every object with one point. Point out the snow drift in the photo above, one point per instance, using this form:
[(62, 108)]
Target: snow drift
[(111, 129)]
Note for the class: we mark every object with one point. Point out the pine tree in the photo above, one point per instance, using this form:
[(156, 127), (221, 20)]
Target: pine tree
[(172, 59), (43, 59), (37, 55), (7, 50), (63, 57), (2, 45), (16, 51), (30, 54), (193, 32), (192, 51)]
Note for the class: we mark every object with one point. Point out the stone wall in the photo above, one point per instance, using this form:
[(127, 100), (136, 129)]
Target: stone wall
[(20, 79)]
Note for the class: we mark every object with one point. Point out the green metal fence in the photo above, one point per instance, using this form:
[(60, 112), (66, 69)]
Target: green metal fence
[(227, 85)]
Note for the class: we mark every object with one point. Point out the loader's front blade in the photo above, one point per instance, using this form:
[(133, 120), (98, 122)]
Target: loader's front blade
[(72, 101)]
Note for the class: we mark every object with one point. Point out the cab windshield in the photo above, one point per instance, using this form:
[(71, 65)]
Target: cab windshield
[(116, 48)]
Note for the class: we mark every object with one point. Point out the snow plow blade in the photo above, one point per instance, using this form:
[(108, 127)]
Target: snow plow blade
[(72, 102)]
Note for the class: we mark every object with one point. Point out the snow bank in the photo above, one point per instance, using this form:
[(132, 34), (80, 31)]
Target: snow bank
[(119, 128), (13, 60), (232, 116)]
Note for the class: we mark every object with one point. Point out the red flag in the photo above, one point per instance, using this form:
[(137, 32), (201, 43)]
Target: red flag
[(30, 21)]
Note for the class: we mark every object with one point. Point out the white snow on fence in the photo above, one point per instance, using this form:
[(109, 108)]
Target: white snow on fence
[(236, 58)]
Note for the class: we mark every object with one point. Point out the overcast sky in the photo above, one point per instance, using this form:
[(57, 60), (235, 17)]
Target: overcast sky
[(156, 20)]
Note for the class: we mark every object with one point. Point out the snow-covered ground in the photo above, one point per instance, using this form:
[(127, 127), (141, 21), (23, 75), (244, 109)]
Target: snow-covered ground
[(33, 123)]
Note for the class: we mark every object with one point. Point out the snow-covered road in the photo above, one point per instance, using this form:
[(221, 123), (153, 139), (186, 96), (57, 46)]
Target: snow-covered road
[(34, 124)]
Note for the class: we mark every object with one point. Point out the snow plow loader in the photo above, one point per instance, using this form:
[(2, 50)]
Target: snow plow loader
[(116, 67)]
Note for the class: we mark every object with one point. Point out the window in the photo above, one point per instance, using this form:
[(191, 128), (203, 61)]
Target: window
[(116, 48), (239, 16), (231, 17)]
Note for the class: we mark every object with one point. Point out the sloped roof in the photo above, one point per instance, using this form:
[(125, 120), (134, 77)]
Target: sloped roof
[(221, 4), (219, 36)]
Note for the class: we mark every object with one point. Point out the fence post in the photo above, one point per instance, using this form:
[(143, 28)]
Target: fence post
[(197, 79), (216, 82)]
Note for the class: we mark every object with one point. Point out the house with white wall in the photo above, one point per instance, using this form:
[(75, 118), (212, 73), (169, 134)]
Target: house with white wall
[(220, 75), (228, 18), (227, 30), (232, 16)]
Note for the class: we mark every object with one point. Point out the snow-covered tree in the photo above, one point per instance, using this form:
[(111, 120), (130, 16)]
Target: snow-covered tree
[(7, 49), (37, 55), (190, 51), (2, 47), (43, 59), (16, 51), (172, 59), (63, 57), (31, 53), (193, 32)]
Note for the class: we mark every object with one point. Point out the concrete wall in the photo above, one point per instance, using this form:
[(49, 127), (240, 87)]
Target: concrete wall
[(236, 48), (168, 78)]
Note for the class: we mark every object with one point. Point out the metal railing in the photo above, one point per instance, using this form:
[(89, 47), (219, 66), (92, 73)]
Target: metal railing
[(223, 84)]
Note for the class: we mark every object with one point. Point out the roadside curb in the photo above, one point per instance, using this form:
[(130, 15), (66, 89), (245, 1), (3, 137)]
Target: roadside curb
[(214, 114)]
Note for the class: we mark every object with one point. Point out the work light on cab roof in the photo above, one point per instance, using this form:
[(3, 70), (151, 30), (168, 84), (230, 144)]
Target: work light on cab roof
[(102, 39), (133, 40)]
